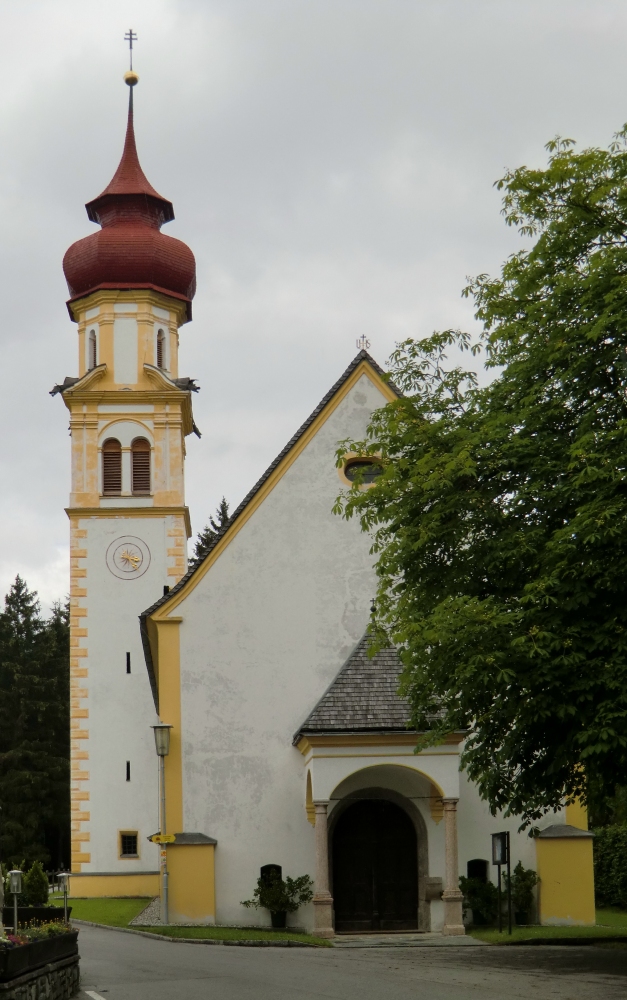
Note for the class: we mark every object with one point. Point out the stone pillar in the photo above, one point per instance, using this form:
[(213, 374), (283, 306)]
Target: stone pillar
[(453, 914), (323, 900)]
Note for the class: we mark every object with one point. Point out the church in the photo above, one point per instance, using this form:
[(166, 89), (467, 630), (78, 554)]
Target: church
[(289, 745)]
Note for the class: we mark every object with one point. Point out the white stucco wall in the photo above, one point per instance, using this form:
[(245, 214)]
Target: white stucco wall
[(263, 635), (121, 708)]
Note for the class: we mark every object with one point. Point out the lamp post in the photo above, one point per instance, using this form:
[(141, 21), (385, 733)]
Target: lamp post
[(162, 746), (64, 879), (15, 886), (501, 856)]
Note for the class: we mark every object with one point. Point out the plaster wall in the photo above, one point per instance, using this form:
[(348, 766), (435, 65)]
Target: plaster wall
[(120, 705), (263, 635), (125, 346)]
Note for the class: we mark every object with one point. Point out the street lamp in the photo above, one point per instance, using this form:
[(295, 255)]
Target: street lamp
[(15, 886), (64, 879), (501, 856), (162, 746)]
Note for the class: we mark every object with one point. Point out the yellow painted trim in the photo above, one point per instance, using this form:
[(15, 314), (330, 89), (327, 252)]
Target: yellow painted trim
[(566, 891), (349, 458), (169, 681), (80, 512), (132, 884), (192, 898), (128, 857), (366, 740), (310, 809), (364, 368), (577, 815), (436, 791), (148, 296)]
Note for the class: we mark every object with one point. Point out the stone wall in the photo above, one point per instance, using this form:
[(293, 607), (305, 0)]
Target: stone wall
[(56, 981)]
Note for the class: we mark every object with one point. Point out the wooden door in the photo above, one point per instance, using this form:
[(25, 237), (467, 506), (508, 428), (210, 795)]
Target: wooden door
[(375, 869)]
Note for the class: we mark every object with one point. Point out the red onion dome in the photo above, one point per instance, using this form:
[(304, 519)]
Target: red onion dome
[(130, 251)]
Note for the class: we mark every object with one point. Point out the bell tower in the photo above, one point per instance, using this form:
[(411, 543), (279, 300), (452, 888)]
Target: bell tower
[(131, 289)]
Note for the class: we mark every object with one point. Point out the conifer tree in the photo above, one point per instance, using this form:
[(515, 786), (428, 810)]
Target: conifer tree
[(34, 730), (208, 535)]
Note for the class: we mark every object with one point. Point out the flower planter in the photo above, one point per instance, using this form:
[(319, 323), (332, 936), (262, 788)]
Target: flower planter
[(16, 961), (28, 914), (279, 920)]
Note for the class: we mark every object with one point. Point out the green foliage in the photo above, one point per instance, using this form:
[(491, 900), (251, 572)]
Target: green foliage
[(500, 519), (208, 535), (524, 881), (26, 935), (281, 895), (610, 865), (34, 730), (35, 886), (481, 897)]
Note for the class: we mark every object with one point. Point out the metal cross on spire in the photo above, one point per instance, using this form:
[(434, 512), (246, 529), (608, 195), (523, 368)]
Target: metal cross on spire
[(130, 37)]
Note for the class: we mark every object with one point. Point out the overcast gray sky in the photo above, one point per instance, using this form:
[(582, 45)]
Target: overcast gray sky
[(331, 165)]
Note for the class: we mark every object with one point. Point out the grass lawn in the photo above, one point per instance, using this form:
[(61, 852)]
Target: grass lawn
[(610, 923), (236, 934), (119, 912), (114, 912)]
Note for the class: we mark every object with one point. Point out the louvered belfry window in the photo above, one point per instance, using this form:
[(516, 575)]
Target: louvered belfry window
[(93, 353), (140, 466), (160, 349), (111, 467)]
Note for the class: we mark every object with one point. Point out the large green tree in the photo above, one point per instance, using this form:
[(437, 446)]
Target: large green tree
[(34, 730), (500, 518)]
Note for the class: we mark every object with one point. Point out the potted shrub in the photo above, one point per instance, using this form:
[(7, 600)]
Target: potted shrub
[(480, 897), (524, 881), (280, 896)]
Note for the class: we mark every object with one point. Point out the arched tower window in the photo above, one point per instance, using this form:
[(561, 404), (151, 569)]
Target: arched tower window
[(92, 350), (140, 466), (111, 467), (161, 349)]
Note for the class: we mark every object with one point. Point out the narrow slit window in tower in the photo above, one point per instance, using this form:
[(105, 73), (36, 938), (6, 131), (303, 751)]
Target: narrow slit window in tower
[(111, 467), (93, 350), (140, 467), (128, 770), (128, 663), (161, 349)]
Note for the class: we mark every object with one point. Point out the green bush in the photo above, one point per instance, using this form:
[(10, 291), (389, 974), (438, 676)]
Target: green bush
[(35, 886), (480, 897), (279, 896), (524, 881), (610, 865)]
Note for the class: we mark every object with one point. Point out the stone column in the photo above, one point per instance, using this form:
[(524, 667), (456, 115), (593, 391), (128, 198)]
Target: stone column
[(453, 915), (323, 900)]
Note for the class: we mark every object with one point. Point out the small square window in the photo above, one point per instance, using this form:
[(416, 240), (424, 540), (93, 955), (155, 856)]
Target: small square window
[(128, 845)]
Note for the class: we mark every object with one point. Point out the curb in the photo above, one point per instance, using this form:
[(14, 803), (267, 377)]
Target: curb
[(180, 940), (560, 942)]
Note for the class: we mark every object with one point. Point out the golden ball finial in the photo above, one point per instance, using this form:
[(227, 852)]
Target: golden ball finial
[(131, 78)]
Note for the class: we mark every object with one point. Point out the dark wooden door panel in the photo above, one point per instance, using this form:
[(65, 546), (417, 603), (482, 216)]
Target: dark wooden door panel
[(375, 873)]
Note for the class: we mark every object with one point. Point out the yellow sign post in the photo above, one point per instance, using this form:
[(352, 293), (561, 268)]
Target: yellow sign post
[(163, 838)]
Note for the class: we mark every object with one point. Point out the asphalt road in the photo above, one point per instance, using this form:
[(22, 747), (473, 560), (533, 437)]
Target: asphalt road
[(119, 966)]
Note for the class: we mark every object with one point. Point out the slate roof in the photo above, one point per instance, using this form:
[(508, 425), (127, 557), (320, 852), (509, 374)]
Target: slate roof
[(357, 360), (363, 697)]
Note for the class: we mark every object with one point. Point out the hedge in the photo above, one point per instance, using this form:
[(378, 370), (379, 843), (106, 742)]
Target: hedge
[(610, 865)]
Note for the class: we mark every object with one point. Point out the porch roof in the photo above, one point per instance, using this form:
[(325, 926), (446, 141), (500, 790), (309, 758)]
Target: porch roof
[(362, 698)]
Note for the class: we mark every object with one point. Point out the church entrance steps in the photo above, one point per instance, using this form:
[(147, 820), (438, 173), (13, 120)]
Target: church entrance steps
[(428, 940)]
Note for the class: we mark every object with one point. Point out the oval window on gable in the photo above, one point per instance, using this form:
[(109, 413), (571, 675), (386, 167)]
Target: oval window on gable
[(363, 469)]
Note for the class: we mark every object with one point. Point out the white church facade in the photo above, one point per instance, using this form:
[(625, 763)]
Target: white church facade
[(289, 744)]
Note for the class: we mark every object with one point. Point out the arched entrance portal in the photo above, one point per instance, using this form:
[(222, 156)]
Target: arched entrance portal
[(375, 871)]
